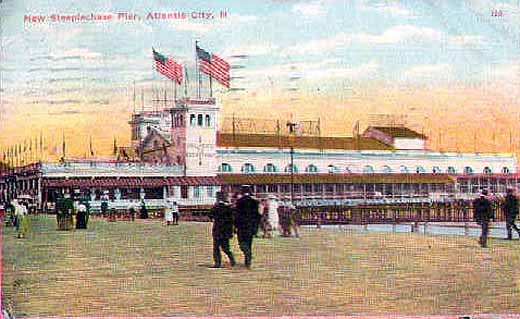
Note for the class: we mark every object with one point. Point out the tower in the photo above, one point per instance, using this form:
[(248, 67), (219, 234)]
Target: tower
[(194, 123)]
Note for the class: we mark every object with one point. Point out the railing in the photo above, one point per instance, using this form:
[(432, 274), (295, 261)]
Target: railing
[(391, 214)]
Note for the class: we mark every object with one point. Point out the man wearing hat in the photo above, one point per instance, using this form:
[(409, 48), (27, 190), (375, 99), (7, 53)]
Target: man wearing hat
[(247, 219), (482, 213), (222, 216), (510, 210)]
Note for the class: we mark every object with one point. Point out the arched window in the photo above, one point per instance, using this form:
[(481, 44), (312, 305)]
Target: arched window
[(290, 168), (487, 170), (468, 170), (247, 168), (368, 169), (208, 120), (332, 169), (181, 120), (348, 170), (387, 169), (200, 120), (193, 120), (311, 169), (506, 170), (452, 170), (225, 168), (420, 170), (403, 169), (270, 168), (436, 170)]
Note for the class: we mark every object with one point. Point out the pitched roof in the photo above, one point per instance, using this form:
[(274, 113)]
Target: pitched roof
[(302, 142), (399, 131), (238, 179)]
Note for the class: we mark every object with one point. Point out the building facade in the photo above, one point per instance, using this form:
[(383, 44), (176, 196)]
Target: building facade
[(179, 153)]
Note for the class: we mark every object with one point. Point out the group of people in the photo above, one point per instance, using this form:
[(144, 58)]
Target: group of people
[(277, 219), (171, 213), (245, 216), (18, 211), (67, 208), (483, 214)]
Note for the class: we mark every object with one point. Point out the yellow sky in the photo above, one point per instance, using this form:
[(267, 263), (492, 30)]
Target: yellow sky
[(458, 112)]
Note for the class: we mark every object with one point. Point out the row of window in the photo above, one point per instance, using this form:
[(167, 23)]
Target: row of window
[(271, 168), (200, 120)]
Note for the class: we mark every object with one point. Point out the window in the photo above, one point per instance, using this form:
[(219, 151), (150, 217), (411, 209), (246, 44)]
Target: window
[(211, 191), (420, 170), (193, 120), (208, 120), (348, 169), (181, 120), (291, 168), (247, 168), (468, 170), (200, 120), (506, 170), (311, 169), (403, 169), (452, 170), (196, 191), (487, 170), (225, 168), (270, 168), (387, 169), (368, 169), (436, 170), (332, 169)]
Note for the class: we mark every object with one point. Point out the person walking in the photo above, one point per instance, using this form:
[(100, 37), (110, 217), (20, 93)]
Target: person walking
[(23, 219), (222, 232), (144, 212), (482, 213), (175, 213), (81, 216), (294, 225), (168, 214), (247, 219), (510, 210)]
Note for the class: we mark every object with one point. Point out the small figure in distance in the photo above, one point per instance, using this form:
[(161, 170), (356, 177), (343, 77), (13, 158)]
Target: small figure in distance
[(510, 210)]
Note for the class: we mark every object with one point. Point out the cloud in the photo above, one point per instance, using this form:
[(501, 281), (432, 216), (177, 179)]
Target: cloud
[(325, 69), (251, 49), (393, 35), (317, 46), (312, 9), (400, 33), (428, 71), (71, 54), (394, 8), (466, 40)]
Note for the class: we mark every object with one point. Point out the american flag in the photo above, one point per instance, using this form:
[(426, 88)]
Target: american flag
[(167, 67), (214, 66)]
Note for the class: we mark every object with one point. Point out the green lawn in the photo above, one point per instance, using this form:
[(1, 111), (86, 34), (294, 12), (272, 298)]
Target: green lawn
[(145, 268)]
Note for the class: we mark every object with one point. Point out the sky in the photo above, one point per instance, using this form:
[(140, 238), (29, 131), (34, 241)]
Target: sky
[(448, 68)]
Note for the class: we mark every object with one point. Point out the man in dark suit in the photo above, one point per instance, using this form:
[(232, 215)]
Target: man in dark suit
[(247, 219), (222, 216), (510, 210), (482, 213)]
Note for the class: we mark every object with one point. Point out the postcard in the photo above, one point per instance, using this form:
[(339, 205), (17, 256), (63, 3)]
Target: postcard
[(275, 158)]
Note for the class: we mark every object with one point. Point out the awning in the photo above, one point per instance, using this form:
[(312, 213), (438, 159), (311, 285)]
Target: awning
[(130, 182), (254, 179)]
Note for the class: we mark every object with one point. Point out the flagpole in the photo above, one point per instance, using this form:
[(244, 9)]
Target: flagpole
[(198, 69), (185, 82), (210, 84)]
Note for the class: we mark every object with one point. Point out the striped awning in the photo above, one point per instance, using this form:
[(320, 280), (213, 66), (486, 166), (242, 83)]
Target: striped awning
[(131, 181), (254, 179)]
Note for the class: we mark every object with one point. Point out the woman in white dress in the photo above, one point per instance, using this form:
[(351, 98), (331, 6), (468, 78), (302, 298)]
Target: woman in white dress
[(168, 214), (273, 215)]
